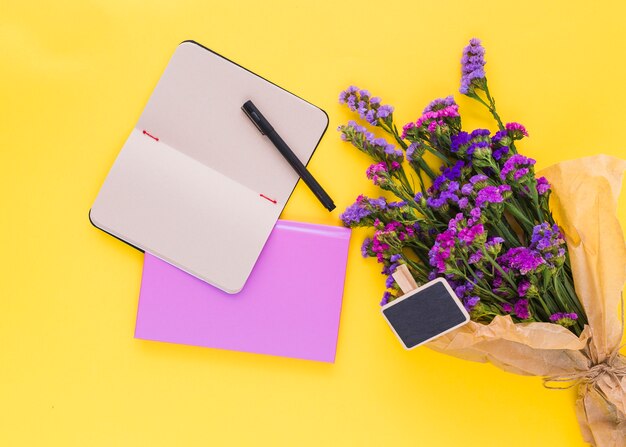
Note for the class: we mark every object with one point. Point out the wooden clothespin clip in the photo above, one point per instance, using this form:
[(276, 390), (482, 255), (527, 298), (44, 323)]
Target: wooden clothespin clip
[(404, 279)]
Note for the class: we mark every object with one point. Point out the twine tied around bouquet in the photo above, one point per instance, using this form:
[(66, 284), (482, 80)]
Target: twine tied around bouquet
[(614, 366)]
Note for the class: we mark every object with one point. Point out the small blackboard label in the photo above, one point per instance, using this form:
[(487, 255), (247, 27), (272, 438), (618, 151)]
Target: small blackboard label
[(425, 313)]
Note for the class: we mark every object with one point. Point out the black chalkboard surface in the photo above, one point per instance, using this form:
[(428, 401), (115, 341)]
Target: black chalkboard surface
[(425, 313)]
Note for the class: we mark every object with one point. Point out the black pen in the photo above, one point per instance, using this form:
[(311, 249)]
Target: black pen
[(266, 129)]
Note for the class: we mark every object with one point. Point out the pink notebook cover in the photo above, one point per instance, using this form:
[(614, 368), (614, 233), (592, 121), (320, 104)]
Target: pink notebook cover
[(289, 307)]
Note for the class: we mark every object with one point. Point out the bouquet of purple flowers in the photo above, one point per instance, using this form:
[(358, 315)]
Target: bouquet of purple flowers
[(483, 221)]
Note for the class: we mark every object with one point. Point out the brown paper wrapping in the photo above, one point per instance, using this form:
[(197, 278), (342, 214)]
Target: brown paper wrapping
[(584, 202)]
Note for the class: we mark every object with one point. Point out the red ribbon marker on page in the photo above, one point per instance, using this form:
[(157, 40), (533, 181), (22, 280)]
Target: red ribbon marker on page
[(145, 132), (267, 198)]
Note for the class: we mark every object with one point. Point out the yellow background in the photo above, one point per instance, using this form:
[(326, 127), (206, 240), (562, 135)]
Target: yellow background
[(74, 77)]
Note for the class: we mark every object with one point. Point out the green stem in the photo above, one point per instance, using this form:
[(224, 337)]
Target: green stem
[(582, 317), (545, 308), (510, 237), (421, 180), (476, 277), (499, 269), (392, 131), (405, 182), (424, 166), (520, 216), (438, 154), (492, 107)]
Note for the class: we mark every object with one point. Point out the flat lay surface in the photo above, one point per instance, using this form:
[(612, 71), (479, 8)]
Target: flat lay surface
[(74, 79)]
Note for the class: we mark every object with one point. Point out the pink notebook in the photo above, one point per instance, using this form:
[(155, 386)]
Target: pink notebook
[(290, 305)]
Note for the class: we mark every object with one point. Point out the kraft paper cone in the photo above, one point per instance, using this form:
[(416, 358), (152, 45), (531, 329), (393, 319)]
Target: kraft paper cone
[(584, 201)]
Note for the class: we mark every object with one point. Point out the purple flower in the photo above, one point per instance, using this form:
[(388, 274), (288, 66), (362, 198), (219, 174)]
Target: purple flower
[(381, 202), (393, 226), (438, 182), (515, 162), (432, 126), (347, 94), (368, 108), (493, 246), (564, 318), (458, 141), (463, 203), (384, 111), (365, 248), (443, 200), (497, 281), (467, 189), (390, 149), (472, 67), (456, 222), (470, 302), (354, 214), (396, 257), (389, 282), (499, 136), (377, 246), (522, 259), (523, 287), (479, 149), (516, 130), (379, 174), (475, 257), (489, 194), (406, 129), (460, 290), (549, 241), (388, 269), (398, 204), (500, 152), (546, 236), (441, 250), (411, 150), (476, 133), (507, 308), (454, 172), (439, 114), (436, 202), (520, 173), (362, 212), (479, 178), (439, 103), (469, 234), (475, 214), (521, 309), (559, 315), (386, 297), (542, 185)]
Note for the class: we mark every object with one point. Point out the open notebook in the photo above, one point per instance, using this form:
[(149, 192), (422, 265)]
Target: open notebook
[(196, 184)]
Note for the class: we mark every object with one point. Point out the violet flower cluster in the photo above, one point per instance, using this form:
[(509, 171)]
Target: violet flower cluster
[(480, 219)]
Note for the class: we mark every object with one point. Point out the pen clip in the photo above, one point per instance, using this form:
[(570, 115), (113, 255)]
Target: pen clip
[(249, 109)]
